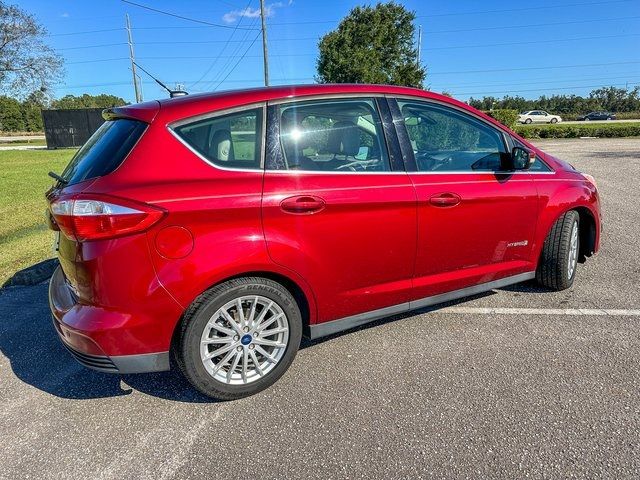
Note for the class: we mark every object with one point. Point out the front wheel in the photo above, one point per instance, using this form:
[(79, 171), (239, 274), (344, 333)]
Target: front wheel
[(239, 338), (528, 121), (559, 258), (554, 120)]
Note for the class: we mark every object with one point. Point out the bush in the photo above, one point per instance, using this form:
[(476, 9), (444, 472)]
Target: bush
[(606, 130), (505, 116)]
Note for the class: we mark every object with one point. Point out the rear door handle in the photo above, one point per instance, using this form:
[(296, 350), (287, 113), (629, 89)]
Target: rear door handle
[(302, 204), (447, 199)]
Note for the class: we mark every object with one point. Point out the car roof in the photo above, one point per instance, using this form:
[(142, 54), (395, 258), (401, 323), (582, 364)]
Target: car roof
[(194, 104)]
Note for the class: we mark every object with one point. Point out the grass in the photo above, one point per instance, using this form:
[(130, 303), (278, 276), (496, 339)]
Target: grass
[(24, 237)]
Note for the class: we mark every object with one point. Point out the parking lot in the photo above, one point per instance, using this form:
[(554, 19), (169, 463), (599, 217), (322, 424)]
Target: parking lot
[(516, 383)]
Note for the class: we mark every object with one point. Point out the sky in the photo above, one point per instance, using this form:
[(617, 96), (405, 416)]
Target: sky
[(470, 48)]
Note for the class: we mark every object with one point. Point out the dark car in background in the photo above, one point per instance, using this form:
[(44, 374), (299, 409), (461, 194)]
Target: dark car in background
[(598, 116)]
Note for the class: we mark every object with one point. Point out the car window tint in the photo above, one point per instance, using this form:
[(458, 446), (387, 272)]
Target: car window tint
[(444, 139), (342, 135), (230, 141)]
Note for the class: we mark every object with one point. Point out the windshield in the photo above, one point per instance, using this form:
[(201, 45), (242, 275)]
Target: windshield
[(104, 151)]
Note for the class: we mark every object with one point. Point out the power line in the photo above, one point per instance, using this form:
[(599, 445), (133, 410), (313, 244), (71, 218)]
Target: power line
[(182, 17), (532, 42), (238, 62), (85, 32), (530, 25), (545, 89), (535, 68), (223, 48), (546, 7)]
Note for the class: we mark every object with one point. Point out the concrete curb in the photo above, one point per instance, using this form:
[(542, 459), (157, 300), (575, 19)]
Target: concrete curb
[(34, 274)]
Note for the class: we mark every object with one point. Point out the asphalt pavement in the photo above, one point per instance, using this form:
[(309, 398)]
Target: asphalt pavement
[(516, 383)]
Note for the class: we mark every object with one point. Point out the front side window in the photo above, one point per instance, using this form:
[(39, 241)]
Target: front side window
[(342, 135), (229, 141), (445, 140)]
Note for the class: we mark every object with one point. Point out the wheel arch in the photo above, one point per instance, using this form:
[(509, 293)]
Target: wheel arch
[(302, 294), (587, 233)]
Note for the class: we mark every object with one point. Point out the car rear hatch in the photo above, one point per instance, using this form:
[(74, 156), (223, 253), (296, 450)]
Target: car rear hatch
[(102, 154)]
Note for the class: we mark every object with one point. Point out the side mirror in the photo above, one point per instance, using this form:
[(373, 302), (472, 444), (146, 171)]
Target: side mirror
[(522, 158)]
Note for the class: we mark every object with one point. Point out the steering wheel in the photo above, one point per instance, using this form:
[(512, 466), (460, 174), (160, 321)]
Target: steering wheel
[(428, 163)]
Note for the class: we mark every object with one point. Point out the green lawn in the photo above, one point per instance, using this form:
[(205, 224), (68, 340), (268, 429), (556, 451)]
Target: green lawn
[(24, 237)]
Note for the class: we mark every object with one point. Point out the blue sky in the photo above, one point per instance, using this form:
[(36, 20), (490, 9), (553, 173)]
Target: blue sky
[(470, 48)]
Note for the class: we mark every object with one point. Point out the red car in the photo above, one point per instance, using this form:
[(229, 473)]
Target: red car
[(211, 232)]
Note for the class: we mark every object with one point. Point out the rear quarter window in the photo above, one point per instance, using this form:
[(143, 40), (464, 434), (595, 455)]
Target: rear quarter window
[(105, 150), (230, 141)]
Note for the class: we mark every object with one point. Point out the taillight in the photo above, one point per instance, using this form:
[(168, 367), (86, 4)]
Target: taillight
[(95, 217)]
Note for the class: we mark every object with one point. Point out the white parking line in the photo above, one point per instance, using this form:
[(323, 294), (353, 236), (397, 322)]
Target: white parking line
[(601, 312)]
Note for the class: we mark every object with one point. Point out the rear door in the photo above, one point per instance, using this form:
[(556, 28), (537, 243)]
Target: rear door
[(338, 207), (476, 221)]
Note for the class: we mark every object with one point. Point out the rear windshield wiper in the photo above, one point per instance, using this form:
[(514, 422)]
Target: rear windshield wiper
[(57, 177)]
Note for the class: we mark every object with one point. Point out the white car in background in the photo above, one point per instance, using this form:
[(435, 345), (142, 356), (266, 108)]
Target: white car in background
[(538, 116)]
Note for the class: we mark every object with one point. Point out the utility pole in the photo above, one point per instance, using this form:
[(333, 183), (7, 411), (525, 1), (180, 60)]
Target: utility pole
[(133, 61), (264, 45), (419, 42)]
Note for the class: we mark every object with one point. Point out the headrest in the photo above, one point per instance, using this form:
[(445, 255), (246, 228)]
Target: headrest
[(344, 139), (221, 146)]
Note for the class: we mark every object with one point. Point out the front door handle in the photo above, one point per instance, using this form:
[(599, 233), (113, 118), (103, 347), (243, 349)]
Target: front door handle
[(447, 199), (302, 204)]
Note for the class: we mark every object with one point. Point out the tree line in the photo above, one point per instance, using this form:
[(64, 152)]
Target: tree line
[(611, 99), (25, 115)]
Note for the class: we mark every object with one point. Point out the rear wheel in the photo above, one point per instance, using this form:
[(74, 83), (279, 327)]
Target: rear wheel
[(559, 258), (239, 338)]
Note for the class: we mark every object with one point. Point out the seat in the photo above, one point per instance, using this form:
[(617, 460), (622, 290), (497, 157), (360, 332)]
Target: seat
[(221, 146)]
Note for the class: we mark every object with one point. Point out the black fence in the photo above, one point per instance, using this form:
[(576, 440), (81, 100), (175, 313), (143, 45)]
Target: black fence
[(70, 128)]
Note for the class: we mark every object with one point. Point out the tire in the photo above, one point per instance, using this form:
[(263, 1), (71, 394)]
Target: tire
[(528, 121), (205, 321), (587, 119), (558, 260), (553, 120)]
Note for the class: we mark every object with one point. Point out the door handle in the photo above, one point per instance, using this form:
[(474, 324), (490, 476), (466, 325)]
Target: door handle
[(302, 204), (445, 200)]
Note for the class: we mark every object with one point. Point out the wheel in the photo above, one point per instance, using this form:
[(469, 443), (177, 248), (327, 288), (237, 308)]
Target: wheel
[(559, 258), (587, 119), (527, 121), (239, 337), (554, 120)]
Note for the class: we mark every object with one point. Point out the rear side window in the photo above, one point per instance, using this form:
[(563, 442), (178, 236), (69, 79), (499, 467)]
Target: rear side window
[(105, 150), (229, 141)]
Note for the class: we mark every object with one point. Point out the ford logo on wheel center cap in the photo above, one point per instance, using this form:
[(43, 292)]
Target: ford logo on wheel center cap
[(246, 339)]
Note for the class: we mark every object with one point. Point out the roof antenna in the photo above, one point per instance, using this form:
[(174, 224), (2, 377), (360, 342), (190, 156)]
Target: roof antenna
[(172, 93)]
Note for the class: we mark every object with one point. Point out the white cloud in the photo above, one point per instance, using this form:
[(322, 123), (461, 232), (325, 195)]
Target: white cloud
[(65, 15), (269, 11)]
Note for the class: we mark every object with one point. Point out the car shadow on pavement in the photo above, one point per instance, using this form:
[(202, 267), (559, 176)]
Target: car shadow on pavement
[(30, 343)]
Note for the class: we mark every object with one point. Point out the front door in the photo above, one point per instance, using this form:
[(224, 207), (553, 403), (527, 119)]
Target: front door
[(476, 221), (334, 209)]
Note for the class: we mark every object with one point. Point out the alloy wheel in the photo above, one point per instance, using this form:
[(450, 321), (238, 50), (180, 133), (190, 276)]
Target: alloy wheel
[(244, 340)]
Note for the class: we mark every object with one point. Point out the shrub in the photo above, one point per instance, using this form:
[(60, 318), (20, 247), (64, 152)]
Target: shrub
[(606, 130), (505, 116)]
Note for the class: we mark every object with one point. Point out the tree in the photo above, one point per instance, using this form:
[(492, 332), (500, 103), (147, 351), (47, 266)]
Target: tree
[(11, 119), (27, 63), (372, 45), (88, 101), (32, 111)]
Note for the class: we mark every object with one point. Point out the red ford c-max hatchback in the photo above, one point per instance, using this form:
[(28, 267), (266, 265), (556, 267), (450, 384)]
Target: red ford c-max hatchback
[(215, 230)]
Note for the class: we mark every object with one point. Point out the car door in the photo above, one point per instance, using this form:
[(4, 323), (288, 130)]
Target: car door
[(338, 207), (476, 220)]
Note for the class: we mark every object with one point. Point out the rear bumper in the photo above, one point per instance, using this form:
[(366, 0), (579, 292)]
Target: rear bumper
[(85, 330)]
